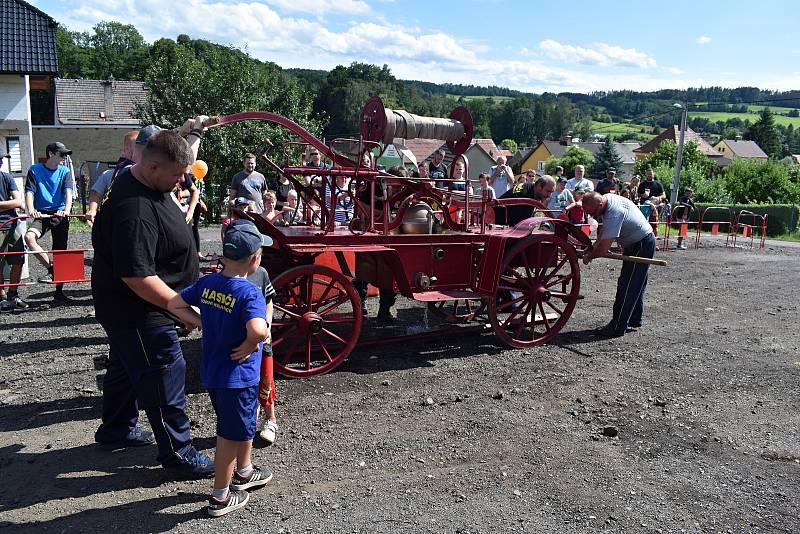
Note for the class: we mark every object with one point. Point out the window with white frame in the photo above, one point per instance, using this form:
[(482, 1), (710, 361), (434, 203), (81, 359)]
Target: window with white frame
[(13, 150)]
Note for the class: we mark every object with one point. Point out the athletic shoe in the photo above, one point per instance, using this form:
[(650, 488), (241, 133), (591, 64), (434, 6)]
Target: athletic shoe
[(19, 303), (681, 247), (46, 278), (268, 433), (6, 305), (236, 499), (258, 479), (194, 465), (135, 438)]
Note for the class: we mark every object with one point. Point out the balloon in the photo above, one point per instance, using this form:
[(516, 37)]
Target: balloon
[(199, 169)]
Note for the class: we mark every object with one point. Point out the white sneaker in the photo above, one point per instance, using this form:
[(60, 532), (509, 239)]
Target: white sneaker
[(269, 431), (681, 247)]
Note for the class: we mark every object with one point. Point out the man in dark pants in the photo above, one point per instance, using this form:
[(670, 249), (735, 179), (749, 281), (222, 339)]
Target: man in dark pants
[(48, 199), (622, 220), (144, 252)]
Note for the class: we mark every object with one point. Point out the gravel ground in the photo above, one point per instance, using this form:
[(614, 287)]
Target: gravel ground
[(688, 425)]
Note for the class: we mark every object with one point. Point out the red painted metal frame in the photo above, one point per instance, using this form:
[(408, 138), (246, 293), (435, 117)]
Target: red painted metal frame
[(68, 264), (716, 224), (481, 246), (751, 228), (684, 224)]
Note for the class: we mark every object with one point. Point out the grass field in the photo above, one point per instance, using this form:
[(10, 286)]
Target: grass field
[(482, 97), (619, 128), (752, 117)]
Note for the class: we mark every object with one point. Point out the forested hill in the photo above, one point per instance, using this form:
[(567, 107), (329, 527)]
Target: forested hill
[(332, 100)]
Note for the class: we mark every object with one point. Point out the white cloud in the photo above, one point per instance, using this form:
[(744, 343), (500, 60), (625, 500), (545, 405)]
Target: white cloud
[(411, 52), (703, 40), (354, 7), (601, 54)]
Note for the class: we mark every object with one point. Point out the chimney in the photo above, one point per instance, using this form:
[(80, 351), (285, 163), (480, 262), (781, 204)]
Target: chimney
[(567, 140), (108, 94)]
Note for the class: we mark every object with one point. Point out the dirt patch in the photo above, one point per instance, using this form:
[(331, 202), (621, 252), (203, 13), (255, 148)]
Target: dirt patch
[(690, 424)]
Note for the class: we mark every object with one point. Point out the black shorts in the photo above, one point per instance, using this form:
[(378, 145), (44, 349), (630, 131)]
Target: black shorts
[(59, 226), (7, 244)]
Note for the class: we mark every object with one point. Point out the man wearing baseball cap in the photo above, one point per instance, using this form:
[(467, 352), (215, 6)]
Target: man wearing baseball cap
[(133, 144), (48, 199)]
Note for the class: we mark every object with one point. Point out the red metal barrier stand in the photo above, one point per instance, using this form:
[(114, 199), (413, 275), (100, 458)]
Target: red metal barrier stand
[(68, 265), (683, 225), (756, 222), (715, 225)]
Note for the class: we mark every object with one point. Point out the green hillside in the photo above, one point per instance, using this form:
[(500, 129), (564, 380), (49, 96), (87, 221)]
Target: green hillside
[(621, 128), (715, 116)]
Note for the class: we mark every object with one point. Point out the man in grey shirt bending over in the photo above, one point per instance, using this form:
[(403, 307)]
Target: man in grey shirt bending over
[(622, 220)]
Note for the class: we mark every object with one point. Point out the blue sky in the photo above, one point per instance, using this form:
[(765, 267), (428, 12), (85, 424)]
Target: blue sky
[(525, 45)]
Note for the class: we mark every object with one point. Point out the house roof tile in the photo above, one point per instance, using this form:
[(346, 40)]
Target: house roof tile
[(673, 134), (625, 150), (27, 39), (745, 149), (83, 101)]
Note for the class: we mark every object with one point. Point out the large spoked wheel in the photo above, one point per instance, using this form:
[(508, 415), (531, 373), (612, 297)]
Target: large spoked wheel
[(536, 291), (316, 320), (457, 311)]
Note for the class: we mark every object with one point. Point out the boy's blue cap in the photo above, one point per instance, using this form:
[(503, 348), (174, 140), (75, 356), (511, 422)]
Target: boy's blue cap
[(242, 239)]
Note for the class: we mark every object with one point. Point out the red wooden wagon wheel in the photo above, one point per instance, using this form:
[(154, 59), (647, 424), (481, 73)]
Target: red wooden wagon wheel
[(537, 288), (316, 320), (457, 311)]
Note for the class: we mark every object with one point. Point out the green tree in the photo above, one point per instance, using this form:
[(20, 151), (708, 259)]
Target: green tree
[(607, 157), (509, 144), (113, 49), (73, 52), (541, 122), (765, 135), (696, 165), (197, 77), (758, 181), (118, 50), (584, 127), (345, 91), (572, 157), (562, 117)]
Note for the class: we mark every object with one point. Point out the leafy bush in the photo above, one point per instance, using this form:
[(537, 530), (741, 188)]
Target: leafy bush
[(760, 181), (573, 157), (781, 218)]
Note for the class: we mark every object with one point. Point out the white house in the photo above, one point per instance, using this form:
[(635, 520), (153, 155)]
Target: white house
[(27, 47)]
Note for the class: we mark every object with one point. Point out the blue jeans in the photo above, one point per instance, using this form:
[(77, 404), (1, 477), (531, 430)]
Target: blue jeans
[(146, 370), (631, 285)]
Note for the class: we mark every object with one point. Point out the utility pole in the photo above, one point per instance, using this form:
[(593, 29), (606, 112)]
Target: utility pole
[(676, 182)]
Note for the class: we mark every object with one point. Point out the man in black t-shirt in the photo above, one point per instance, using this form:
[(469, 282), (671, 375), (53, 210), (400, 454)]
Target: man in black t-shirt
[(540, 190), (143, 253), (650, 189), (437, 170)]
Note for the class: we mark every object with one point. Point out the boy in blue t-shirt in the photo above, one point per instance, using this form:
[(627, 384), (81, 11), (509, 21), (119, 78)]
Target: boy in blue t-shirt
[(232, 312)]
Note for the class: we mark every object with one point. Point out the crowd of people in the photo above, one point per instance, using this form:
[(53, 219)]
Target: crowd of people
[(145, 212)]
